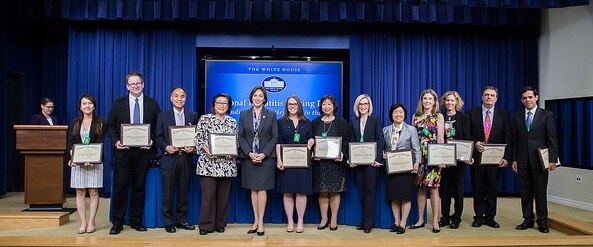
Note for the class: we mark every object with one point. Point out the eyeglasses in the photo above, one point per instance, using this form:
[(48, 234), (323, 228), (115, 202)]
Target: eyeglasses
[(50, 107), (364, 103), (293, 104), (221, 103), (135, 84)]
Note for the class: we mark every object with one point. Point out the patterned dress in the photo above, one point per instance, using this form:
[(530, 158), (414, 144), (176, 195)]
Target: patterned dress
[(214, 167), (427, 133), (82, 176)]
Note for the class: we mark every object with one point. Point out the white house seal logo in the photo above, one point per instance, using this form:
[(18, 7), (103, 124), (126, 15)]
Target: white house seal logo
[(274, 84)]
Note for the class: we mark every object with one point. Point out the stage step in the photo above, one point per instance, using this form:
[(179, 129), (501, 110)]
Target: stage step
[(23, 220), (569, 225)]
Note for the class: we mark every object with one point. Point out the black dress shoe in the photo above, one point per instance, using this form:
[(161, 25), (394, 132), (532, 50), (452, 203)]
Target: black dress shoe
[(525, 225), (203, 232), (252, 231), (333, 228), (477, 223), (261, 233), (401, 230), (416, 227), (492, 223), (220, 229), (139, 228), (170, 229), (322, 227), (394, 228), (359, 228), (367, 231), (543, 229), (186, 226), (115, 230), (454, 225)]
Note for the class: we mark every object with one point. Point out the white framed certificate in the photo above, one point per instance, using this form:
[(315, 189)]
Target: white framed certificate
[(328, 147), (135, 135), (362, 153), (544, 157), (493, 154), (223, 144), (442, 154), (295, 155), (400, 161), (182, 136), (464, 149), (89, 153)]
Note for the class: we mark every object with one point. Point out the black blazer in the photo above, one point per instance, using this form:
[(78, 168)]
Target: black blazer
[(268, 132), (373, 132), (541, 134), (163, 122), (74, 138), (39, 119), (462, 126), (120, 114), (500, 133)]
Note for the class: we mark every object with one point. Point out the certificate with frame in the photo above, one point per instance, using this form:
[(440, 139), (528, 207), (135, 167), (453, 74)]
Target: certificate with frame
[(493, 154), (328, 147), (442, 154), (544, 157), (400, 161), (464, 149), (87, 153), (295, 155), (182, 136), (362, 153), (135, 135), (223, 144)]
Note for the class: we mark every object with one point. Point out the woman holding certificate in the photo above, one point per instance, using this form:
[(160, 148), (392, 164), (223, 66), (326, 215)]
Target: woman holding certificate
[(215, 171), (366, 128), (400, 186), (87, 128), (294, 182), (258, 135), (456, 128), (329, 173), (430, 124)]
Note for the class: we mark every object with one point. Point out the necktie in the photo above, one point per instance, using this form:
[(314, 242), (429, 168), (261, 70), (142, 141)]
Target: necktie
[(528, 120), (487, 126), (136, 112), (179, 121)]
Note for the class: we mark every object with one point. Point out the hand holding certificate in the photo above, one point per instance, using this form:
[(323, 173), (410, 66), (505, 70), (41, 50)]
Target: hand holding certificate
[(441, 154), (399, 161), (492, 154), (295, 155), (135, 135), (223, 144), (545, 158), (90, 153), (328, 147), (182, 136), (362, 153), (464, 149)]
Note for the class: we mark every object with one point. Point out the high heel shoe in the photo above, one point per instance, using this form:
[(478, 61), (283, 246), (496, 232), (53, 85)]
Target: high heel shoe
[(90, 228), (333, 228), (435, 230), (321, 227), (252, 231), (416, 227), (82, 230), (300, 229), (290, 228), (261, 233)]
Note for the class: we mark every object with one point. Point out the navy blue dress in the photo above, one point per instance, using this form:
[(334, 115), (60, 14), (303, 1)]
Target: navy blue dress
[(294, 180)]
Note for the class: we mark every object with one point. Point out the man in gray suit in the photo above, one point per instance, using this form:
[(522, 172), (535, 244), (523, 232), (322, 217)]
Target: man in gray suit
[(534, 128)]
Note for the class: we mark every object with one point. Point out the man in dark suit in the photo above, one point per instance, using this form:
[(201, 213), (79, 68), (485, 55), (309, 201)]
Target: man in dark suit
[(534, 128), (45, 117), (488, 125), (131, 163), (176, 162)]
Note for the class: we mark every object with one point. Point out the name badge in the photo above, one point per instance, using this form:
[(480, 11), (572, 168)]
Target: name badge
[(86, 140), (324, 134), (296, 137)]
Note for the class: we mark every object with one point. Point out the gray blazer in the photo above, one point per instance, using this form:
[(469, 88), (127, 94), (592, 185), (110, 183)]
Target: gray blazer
[(268, 132), (408, 139)]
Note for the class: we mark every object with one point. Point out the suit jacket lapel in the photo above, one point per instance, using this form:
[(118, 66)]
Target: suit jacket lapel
[(356, 126), (536, 117)]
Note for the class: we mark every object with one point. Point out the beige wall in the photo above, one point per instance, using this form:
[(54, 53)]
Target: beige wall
[(566, 70)]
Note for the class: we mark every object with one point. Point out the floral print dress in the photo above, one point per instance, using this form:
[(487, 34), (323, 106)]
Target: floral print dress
[(427, 133)]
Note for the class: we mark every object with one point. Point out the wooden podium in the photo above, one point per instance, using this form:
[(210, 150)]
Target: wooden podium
[(43, 147)]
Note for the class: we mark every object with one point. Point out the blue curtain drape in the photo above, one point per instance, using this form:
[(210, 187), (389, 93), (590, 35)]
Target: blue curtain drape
[(390, 65)]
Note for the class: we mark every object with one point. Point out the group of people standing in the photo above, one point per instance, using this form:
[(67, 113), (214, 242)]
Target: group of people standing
[(260, 134)]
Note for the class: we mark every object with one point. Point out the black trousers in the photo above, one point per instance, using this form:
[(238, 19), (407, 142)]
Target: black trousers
[(176, 178), (129, 169), (215, 202), (484, 183), (366, 178), (534, 185), (452, 181)]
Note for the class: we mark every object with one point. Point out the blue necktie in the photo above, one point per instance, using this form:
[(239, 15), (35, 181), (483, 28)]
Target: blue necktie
[(136, 112), (528, 120)]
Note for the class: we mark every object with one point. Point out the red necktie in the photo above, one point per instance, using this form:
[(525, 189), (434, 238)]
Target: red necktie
[(487, 126)]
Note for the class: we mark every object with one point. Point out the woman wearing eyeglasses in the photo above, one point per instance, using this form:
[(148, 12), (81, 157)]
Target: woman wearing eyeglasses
[(45, 117)]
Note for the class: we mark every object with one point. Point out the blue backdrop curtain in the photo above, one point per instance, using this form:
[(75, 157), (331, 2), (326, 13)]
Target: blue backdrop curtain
[(390, 65)]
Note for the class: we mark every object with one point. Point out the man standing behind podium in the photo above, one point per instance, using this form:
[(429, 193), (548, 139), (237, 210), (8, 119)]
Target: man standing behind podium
[(131, 163), (534, 128), (176, 163)]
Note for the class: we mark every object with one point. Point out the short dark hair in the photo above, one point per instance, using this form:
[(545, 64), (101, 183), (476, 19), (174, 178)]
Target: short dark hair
[(178, 87), (490, 88), (134, 73), (46, 100), (529, 88), (332, 99), (224, 95), (263, 91), (395, 106)]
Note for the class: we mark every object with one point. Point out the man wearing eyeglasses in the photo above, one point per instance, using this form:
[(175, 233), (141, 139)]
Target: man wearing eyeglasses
[(131, 163)]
